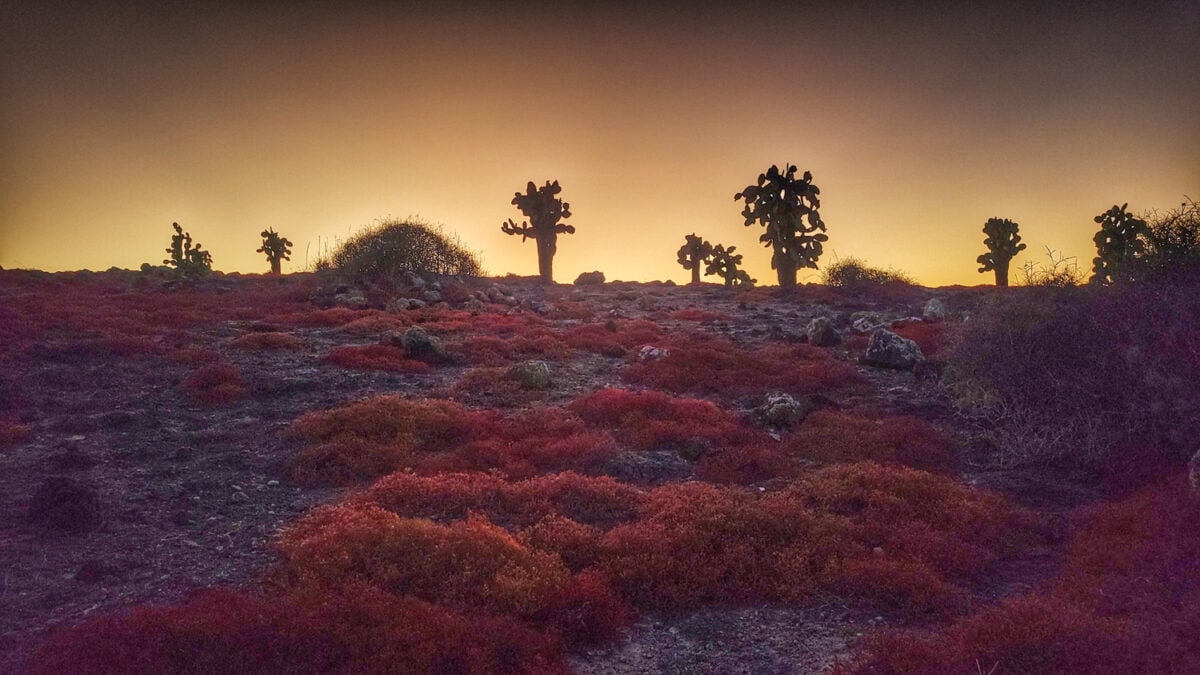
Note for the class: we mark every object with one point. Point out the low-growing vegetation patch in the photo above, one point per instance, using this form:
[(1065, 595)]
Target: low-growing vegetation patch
[(375, 357), (1127, 600), (708, 365)]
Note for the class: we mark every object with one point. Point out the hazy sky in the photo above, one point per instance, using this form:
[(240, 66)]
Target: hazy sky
[(918, 124)]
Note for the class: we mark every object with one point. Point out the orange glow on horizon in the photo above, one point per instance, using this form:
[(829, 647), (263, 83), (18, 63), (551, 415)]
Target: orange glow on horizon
[(917, 128)]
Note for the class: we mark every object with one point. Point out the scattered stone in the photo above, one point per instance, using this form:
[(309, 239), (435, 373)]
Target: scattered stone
[(646, 303), (821, 333), (412, 279), (542, 307), (590, 279), (422, 346), (651, 353), (351, 298), (67, 505), (404, 304), (888, 350), (474, 305), (781, 411), (935, 311), (530, 375), (658, 466), (239, 496), (391, 338), (865, 322), (432, 297)]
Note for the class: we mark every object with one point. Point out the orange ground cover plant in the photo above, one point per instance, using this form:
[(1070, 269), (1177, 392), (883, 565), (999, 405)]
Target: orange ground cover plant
[(267, 340), (379, 435), (215, 383), (614, 337), (375, 357), (708, 365), (1127, 600), (652, 420), (358, 630), (831, 436)]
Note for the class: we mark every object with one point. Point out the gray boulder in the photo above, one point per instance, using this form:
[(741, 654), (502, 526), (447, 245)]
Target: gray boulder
[(935, 310), (530, 375), (422, 346), (352, 298), (888, 350), (821, 333), (781, 411)]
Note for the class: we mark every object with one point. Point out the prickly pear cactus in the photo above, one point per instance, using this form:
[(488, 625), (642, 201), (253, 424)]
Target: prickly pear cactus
[(1120, 242), (725, 264), (188, 260), (788, 208), (1003, 244), (276, 248), (544, 209), (694, 252)]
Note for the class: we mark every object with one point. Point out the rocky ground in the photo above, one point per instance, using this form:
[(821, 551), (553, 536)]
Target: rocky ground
[(190, 496)]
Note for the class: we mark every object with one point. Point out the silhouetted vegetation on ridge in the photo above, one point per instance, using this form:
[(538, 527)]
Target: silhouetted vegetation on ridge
[(396, 246), (544, 210), (787, 208)]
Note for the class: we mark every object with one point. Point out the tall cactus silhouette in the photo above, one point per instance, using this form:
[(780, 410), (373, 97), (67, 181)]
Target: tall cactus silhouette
[(725, 264), (694, 252), (544, 210), (277, 249), (1120, 242), (787, 207), (188, 260), (1003, 244)]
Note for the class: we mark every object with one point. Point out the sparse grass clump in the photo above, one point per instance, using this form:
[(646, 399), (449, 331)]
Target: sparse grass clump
[(852, 273), (385, 249)]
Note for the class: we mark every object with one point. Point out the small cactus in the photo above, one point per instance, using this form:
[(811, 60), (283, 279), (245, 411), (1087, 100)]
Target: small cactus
[(1003, 244), (544, 210), (725, 264), (188, 260), (694, 252), (276, 247), (1120, 242)]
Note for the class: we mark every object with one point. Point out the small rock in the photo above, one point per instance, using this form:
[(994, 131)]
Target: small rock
[(935, 310), (646, 303), (239, 497), (651, 353), (432, 297), (590, 279), (888, 350), (412, 279), (780, 411), (422, 346), (474, 305), (530, 375), (821, 333), (352, 298), (391, 338)]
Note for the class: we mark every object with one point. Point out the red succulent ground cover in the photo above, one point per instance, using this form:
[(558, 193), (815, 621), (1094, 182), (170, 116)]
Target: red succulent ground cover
[(1127, 600), (713, 366), (485, 529)]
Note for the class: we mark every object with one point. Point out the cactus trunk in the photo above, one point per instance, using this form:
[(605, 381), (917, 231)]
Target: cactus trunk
[(276, 267), (1002, 273), (546, 248), (786, 271), (696, 275)]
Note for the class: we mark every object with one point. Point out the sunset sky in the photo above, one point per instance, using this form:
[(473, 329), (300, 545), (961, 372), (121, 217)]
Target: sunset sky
[(318, 118)]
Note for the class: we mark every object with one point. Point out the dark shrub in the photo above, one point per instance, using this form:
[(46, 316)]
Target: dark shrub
[(1068, 375), (395, 246)]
